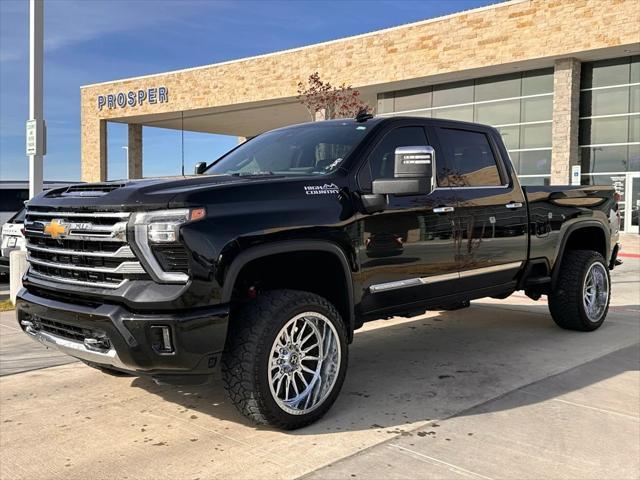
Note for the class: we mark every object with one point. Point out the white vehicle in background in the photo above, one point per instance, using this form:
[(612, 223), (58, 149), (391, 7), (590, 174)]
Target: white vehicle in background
[(12, 239), (13, 195)]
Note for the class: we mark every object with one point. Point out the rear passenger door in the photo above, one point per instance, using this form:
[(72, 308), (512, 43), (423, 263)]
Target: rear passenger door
[(490, 211)]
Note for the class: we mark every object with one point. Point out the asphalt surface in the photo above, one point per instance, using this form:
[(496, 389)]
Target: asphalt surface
[(492, 391)]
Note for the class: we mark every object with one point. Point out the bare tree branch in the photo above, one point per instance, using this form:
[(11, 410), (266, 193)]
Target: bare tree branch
[(336, 102)]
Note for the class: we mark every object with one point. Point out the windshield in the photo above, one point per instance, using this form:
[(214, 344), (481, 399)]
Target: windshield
[(313, 149), (18, 217)]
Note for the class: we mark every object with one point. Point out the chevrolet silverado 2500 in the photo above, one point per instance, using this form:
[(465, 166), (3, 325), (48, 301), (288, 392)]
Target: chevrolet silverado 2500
[(262, 265)]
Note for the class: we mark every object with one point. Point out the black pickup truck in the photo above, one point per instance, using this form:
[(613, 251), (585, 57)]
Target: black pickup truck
[(263, 264)]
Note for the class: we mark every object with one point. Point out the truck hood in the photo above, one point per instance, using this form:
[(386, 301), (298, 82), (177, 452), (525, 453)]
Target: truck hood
[(148, 193)]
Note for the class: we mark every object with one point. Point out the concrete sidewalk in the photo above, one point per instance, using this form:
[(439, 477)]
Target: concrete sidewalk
[(19, 353), (630, 243), (584, 423)]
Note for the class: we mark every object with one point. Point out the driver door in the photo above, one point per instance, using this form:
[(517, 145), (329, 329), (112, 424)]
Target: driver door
[(406, 252)]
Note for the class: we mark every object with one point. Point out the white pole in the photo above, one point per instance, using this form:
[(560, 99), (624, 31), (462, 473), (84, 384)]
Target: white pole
[(36, 40)]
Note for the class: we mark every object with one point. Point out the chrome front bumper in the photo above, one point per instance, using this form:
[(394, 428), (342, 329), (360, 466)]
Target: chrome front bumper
[(74, 349)]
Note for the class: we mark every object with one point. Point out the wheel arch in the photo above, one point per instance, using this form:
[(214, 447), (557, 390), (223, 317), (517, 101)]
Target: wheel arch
[(597, 240), (265, 251)]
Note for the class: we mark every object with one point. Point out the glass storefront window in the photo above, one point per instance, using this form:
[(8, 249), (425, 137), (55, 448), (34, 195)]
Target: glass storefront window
[(604, 159), (635, 69), (536, 109), (634, 158), (620, 120), (535, 181), (606, 72), (385, 102), (515, 159), (597, 131), (604, 102), (412, 99), (464, 113), (510, 136), (535, 162), (498, 113), (420, 113), (535, 136), (634, 128), (537, 81), (453, 94), (484, 100), (492, 88), (634, 104)]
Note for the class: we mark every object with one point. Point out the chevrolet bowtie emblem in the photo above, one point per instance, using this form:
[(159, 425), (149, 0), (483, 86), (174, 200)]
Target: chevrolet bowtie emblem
[(55, 228)]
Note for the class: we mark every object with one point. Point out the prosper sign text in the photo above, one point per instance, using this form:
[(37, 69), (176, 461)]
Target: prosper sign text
[(133, 98)]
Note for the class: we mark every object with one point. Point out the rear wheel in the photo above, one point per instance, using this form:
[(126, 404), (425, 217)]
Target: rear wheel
[(286, 358), (580, 300)]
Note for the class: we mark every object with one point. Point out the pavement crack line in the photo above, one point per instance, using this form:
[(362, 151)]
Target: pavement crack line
[(601, 410), (10, 327), (435, 461)]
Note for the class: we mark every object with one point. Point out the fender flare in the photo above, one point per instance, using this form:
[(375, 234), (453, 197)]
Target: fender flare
[(289, 246), (563, 243)]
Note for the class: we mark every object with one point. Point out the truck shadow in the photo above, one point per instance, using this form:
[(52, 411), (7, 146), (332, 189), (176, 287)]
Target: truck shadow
[(434, 367)]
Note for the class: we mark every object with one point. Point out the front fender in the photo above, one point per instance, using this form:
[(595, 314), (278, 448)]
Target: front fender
[(290, 246)]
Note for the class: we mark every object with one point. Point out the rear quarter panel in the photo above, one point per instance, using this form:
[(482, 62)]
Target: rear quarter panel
[(554, 212)]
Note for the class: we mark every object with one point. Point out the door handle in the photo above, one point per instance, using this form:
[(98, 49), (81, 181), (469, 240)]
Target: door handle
[(443, 209), (514, 205)]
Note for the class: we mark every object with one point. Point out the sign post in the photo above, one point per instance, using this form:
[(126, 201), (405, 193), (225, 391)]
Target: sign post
[(576, 173), (35, 128)]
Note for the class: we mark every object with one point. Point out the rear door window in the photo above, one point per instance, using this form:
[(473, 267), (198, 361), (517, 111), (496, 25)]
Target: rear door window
[(466, 159)]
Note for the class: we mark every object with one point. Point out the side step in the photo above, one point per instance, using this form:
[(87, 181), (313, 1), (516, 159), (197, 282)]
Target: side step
[(536, 281)]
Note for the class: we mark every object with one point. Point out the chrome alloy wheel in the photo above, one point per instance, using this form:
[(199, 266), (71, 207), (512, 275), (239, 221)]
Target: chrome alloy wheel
[(595, 292), (304, 363)]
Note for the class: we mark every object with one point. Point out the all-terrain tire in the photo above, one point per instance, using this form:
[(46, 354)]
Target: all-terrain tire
[(248, 356), (566, 300)]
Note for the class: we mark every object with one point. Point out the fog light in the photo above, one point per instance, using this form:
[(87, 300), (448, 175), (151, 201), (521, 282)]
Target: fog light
[(29, 326), (97, 343), (161, 339)]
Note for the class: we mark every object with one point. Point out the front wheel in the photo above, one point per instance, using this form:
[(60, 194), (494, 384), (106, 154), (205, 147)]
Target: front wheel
[(286, 358), (581, 299)]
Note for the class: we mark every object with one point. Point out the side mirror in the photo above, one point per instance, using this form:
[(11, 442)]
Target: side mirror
[(200, 168), (413, 172)]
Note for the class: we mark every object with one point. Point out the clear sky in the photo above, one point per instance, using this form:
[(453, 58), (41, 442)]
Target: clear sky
[(89, 41)]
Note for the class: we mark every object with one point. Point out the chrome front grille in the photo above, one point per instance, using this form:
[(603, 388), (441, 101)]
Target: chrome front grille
[(88, 249)]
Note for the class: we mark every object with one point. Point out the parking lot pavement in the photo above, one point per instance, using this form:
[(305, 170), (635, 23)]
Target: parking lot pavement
[(584, 423), (18, 353), (483, 370)]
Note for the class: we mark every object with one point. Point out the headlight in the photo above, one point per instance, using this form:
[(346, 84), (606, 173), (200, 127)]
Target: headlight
[(162, 227)]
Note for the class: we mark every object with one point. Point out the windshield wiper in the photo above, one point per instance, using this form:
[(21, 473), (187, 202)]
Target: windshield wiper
[(250, 174)]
